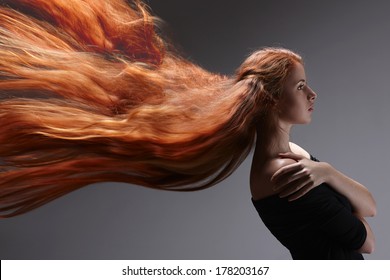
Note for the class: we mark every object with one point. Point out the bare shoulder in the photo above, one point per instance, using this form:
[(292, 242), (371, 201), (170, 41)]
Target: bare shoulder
[(296, 149), (261, 185), (262, 172), (277, 163)]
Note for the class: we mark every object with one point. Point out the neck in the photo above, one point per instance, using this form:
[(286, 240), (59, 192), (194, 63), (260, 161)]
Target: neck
[(273, 140)]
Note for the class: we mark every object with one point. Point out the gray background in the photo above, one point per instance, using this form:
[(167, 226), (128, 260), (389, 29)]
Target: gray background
[(346, 48)]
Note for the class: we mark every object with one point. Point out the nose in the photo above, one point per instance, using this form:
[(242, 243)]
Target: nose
[(311, 95)]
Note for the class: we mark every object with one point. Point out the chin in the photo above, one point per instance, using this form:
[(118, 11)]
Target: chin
[(306, 121)]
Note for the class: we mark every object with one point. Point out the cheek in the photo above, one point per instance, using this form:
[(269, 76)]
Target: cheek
[(292, 110)]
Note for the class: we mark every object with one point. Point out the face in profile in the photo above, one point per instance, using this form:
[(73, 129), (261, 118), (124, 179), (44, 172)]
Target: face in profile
[(297, 99)]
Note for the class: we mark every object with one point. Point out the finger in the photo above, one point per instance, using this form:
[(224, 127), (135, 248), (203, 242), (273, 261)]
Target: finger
[(286, 180), (291, 155), (294, 187), (308, 187), (285, 170)]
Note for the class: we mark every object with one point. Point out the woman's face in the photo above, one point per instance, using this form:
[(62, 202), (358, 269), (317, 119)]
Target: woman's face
[(297, 100)]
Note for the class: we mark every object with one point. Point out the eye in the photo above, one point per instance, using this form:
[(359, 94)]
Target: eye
[(301, 86)]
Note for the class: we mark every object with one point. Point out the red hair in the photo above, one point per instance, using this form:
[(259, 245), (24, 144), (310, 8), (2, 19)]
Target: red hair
[(89, 92)]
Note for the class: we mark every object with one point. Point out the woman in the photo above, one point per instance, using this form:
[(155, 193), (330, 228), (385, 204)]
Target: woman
[(91, 93), (310, 207)]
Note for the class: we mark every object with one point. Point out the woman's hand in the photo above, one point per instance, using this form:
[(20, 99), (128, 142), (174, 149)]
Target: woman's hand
[(295, 180)]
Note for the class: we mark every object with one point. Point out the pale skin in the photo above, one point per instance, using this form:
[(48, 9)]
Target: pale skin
[(285, 169)]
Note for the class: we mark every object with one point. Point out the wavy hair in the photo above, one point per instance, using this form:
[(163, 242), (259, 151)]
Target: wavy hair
[(90, 92)]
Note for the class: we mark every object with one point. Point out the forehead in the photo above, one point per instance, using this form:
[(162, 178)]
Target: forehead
[(296, 74)]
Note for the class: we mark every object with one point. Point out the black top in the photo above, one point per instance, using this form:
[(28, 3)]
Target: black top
[(319, 225)]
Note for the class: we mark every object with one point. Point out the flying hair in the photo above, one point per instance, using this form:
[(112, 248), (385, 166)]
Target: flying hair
[(90, 92)]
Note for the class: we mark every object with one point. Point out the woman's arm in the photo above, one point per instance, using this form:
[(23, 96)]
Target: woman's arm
[(361, 199), (297, 179), (369, 244)]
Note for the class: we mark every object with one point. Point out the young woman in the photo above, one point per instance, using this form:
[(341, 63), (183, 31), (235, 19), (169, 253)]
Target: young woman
[(310, 207), (91, 93)]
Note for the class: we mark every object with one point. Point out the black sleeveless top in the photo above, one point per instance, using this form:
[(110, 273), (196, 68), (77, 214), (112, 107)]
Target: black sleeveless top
[(319, 225)]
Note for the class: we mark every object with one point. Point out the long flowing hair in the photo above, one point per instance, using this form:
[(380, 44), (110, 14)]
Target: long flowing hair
[(90, 92)]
